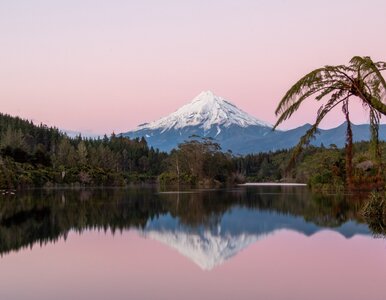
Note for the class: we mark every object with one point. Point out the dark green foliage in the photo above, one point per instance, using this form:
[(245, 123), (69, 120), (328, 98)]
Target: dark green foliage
[(360, 80), (199, 162), (263, 166), (18, 154), (41, 156), (320, 167), (38, 155)]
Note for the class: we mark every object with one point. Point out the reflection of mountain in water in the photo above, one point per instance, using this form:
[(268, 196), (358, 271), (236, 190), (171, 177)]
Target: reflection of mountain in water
[(206, 226), (237, 229)]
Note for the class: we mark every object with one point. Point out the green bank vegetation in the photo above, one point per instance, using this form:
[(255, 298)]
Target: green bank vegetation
[(322, 168), (337, 86), (374, 212), (200, 162), (38, 156), (33, 155), (361, 80)]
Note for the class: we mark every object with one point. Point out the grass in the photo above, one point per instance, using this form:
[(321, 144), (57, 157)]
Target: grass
[(374, 212)]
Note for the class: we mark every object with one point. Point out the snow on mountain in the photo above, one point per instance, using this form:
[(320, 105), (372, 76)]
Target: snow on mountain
[(208, 115), (207, 250), (205, 110)]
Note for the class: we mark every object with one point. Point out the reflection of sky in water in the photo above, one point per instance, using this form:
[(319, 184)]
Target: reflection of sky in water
[(286, 265), (205, 246)]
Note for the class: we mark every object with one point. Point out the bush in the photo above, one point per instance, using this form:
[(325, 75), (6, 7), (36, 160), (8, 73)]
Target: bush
[(168, 178), (374, 212)]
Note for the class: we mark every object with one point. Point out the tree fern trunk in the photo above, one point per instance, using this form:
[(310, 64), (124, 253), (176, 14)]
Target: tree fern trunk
[(349, 148), (374, 127)]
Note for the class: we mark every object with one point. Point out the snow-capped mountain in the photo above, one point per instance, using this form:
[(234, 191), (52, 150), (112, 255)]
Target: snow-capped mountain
[(205, 111), (208, 115)]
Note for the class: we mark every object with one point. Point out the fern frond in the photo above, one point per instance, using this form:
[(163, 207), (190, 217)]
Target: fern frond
[(322, 112)]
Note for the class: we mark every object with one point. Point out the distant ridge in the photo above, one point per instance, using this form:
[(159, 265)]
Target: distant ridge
[(208, 115)]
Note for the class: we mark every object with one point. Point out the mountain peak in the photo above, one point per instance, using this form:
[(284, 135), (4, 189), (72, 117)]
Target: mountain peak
[(205, 110), (206, 96)]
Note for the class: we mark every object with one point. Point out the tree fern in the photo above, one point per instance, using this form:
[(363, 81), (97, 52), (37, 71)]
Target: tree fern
[(362, 79)]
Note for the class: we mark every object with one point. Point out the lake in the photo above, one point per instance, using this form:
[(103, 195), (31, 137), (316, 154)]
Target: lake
[(144, 243)]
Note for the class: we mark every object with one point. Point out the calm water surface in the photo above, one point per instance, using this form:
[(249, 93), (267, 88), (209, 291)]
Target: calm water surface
[(140, 243)]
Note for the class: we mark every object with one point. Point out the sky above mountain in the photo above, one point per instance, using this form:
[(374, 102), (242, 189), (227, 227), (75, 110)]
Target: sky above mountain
[(102, 66)]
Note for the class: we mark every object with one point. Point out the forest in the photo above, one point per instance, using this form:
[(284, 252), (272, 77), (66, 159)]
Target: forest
[(40, 156)]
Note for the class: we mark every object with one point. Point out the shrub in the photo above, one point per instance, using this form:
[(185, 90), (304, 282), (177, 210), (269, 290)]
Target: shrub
[(374, 212)]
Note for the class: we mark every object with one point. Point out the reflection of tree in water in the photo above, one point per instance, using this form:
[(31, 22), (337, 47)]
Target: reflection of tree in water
[(374, 212), (46, 215), (324, 210)]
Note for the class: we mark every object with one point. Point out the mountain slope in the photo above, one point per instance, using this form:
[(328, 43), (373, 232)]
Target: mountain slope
[(208, 115), (205, 111), (287, 139)]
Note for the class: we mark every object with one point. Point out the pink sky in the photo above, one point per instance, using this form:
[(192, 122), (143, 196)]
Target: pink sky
[(103, 66)]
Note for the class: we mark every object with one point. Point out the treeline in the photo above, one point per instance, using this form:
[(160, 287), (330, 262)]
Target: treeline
[(319, 167), (200, 161), (33, 155)]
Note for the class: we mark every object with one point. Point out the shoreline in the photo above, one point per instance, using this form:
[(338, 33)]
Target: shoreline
[(272, 184)]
